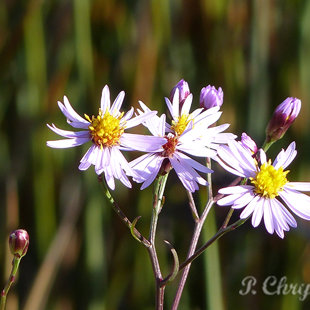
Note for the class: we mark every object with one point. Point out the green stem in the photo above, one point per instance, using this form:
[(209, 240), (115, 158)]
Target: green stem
[(227, 219), (123, 217), (157, 204), (149, 244), (267, 145), (15, 264)]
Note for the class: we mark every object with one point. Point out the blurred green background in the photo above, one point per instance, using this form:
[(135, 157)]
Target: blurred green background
[(80, 255)]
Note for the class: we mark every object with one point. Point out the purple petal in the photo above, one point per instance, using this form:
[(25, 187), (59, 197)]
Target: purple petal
[(257, 214), (142, 142), (268, 218), (70, 112), (279, 219), (66, 143), (154, 172), (169, 105), (284, 158), (248, 210), (262, 156), (175, 105), (299, 203), (243, 200), (140, 119), (229, 200), (117, 102), (196, 165), (110, 180), (187, 104), (299, 186), (236, 189), (69, 134), (105, 99)]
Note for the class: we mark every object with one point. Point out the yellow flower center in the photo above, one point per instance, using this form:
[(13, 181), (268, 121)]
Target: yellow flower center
[(180, 125), (269, 181), (105, 129), (169, 147)]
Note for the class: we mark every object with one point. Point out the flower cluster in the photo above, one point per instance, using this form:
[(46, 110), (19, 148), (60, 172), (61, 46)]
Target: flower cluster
[(188, 133), (108, 136), (265, 192)]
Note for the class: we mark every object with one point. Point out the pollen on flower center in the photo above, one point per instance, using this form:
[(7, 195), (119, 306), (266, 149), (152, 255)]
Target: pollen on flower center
[(180, 125), (105, 129), (169, 147), (269, 181)]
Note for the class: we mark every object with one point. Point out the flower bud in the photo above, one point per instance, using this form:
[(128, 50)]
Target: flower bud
[(19, 242), (248, 143), (283, 116), (210, 97), (184, 91)]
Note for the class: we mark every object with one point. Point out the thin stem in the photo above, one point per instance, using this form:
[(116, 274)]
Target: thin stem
[(160, 293), (191, 251), (15, 264), (149, 244), (197, 230), (267, 145), (223, 230), (157, 206), (196, 234), (192, 206), (227, 219), (220, 233), (209, 179), (122, 216), (160, 290)]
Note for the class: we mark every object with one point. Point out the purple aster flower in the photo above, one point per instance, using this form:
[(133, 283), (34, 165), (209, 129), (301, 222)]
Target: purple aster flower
[(148, 165), (197, 123), (183, 91), (268, 190), (248, 143), (283, 117), (211, 97), (107, 134), (188, 134)]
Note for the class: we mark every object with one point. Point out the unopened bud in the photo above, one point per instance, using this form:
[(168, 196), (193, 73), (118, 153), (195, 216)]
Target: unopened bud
[(283, 116), (19, 242), (211, 97), (183, 89), (248, 143)]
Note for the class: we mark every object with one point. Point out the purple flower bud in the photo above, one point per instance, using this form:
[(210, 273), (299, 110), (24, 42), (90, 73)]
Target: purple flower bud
[(283, 116), (184, 91), (248, 143), (19, 242), (210, 97)]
